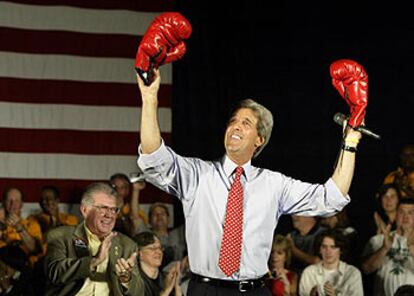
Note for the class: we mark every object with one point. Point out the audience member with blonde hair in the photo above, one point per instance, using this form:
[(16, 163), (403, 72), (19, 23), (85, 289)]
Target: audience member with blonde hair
[(283, 282)]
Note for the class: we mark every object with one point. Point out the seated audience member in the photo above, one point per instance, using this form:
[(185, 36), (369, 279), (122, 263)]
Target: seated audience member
[(303, 237), (51, 216), (131, 219), (388, 198), (90, 258), (282, 281), (340, 221), (23, 233), (150, 253), (173, 241), (403, 176), (391, 253), (331, 276)]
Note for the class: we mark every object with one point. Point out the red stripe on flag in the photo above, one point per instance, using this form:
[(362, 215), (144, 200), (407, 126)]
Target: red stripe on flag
[(68, 141), (38, 91), (76, 92), (71, 43), (147, 6), (71, 190)]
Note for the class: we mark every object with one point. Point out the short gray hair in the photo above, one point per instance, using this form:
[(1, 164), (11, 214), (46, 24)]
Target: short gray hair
[(98, 187), (264, 120)]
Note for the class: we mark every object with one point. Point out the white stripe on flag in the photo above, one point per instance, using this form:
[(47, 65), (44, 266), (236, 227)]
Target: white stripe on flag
[(65, 18), (64, 67), (76, 117), (64, 166)]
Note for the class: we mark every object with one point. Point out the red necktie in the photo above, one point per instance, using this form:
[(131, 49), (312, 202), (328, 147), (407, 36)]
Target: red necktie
[(231, 242)]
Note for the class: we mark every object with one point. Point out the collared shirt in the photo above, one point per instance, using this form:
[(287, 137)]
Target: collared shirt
[(90, 287), (397, 267), (346, 279), (203, 188)]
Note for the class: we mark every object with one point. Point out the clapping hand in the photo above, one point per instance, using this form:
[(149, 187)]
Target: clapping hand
[(123, 267)]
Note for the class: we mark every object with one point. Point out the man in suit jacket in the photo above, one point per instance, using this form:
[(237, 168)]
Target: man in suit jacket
[(91, 259)]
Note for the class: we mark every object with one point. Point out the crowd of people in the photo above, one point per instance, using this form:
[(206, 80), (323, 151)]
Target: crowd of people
[(228, 244), (38, 253), (318, 256)]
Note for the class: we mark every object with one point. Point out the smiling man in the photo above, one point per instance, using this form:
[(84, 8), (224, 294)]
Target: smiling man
[(232, 207), (90, 259)]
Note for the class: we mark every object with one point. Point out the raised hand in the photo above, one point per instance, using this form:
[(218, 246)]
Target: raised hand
[(162, 43), (123, 267), (351, 81)]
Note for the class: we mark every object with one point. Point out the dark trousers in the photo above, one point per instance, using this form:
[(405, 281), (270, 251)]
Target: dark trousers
[(204, 289)]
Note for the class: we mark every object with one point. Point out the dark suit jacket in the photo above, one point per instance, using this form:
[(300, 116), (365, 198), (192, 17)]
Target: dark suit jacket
[(67, 262)]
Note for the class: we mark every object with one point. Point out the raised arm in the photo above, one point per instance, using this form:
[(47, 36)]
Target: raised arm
[(344, 170), (150, 130)]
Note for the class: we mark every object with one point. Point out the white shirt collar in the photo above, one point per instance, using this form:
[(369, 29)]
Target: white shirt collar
[(229, 166)]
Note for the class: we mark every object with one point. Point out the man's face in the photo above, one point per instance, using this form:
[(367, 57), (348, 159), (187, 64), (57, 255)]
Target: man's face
[(405, 217), (50, 203), (13, 203), (241, 137), (159, 218), (101, 216), (122, 187), (329, 252)]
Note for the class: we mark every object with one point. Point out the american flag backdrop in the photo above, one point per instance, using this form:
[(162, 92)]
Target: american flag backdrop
[(69, 103)]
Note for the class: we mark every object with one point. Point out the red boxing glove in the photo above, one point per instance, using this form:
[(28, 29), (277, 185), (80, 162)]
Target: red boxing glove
[(162, 43), (351, 81)]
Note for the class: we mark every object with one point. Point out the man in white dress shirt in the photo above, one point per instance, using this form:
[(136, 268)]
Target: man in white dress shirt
[(203, 188)]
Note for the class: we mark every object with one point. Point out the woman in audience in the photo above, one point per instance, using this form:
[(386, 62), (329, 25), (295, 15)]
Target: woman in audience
[(388, 198), (131, 219), (282, 282), (150, 253)]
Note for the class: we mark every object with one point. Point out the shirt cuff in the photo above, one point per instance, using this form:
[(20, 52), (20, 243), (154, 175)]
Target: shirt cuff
[(152, 159), (340, 201)]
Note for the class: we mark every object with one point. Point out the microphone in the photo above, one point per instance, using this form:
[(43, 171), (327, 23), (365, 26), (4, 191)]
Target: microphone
[(339, 119)]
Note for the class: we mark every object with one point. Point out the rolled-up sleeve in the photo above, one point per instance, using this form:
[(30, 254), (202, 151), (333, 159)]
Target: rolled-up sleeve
[(308, 199), (169, 171)]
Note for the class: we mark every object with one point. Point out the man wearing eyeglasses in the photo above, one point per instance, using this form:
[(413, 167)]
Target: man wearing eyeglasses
[(91, 259)]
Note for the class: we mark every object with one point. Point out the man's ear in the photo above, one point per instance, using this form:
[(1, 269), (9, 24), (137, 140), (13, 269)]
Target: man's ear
[(84, 210), (259, 141)]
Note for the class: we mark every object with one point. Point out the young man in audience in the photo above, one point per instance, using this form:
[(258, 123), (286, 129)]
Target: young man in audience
[(331, 276), (391, 253)]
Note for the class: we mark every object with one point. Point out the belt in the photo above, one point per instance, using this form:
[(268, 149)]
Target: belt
[(242, 286)]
